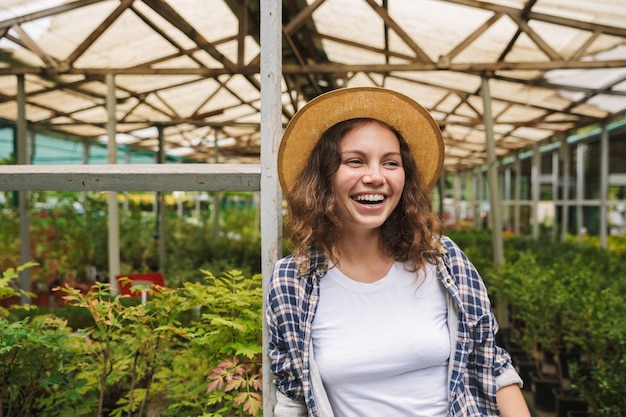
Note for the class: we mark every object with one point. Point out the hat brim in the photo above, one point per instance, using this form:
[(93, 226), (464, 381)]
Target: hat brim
[(413, 121)]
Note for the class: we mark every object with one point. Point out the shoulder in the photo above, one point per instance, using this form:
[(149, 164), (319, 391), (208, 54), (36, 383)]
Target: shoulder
[(465, 273), (450, 247), (453, 255), (292, 272), (285, 274)]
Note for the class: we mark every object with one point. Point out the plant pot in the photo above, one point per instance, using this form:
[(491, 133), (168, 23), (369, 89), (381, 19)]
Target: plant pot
[(567, 401), (542, 387), (524, 368), (579, 414)]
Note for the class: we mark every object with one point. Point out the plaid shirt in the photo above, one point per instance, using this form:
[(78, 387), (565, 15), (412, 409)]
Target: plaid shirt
[(477, 366)]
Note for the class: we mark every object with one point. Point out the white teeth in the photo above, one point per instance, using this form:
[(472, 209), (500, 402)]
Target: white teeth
[(370, 198)]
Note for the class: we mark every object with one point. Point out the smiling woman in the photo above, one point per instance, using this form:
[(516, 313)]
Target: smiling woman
[(369, 270)]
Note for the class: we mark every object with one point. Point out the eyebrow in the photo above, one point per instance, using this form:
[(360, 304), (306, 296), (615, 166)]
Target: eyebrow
[(360, 152)]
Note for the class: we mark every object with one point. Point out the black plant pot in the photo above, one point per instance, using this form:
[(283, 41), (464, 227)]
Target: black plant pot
[(542, 387), (567, 401), (524, 368), (579, 414)]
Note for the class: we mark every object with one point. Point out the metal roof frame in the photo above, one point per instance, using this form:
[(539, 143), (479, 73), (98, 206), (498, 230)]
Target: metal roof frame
[(192, 67)]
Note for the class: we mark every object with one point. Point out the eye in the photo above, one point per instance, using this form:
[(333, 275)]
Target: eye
[(392, 163), (353, 162)]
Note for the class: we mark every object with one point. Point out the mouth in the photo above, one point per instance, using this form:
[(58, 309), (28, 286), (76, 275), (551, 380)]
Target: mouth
[(369, 199)]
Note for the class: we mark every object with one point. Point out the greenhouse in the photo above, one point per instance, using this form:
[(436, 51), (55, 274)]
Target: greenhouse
[(139, 140)]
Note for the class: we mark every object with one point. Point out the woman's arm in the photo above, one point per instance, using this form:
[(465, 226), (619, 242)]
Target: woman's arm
[(511, 402)]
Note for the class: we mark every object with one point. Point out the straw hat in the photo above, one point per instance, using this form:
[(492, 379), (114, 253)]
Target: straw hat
[(413, 121)]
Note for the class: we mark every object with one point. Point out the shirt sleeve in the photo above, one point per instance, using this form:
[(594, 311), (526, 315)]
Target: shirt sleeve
[(282, 321), (508, 376), (477, 304), (505, 372), (286, 407)]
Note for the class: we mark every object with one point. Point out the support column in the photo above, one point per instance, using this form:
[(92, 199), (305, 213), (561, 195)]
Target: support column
[(161, 208), (23, 158), (506, 218), (535, 179), (457, 197), (604, 184), (113, 205), (580, 189), (271, 196), (566, 156), (476, 198), (555, 191), (440, 191), (518, 195), (216, 194), (492, 177)]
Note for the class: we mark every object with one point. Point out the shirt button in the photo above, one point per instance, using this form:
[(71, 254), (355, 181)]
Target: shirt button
[(314, 298), (449, 281)]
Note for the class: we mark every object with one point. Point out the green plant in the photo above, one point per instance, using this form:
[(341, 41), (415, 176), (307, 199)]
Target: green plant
[(130, 343), (189, 350), (600, 331), (37, 354), (226, 341), (9, 286)]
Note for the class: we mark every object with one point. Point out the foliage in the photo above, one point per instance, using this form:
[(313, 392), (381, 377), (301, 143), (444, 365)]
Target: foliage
[(565, 297), (189, 351), (35, 356), (601, 334), (230, 307), (70, 230), (9, 287)]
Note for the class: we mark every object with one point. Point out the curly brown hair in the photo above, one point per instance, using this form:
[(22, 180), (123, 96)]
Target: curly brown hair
[(409, 234)]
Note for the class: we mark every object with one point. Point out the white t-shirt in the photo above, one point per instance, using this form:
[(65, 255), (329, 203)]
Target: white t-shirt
[(382, 348)]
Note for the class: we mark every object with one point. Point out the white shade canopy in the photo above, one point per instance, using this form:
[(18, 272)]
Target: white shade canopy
[(191, 67)]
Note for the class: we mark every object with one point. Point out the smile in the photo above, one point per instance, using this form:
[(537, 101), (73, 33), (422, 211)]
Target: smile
[(369, 198)]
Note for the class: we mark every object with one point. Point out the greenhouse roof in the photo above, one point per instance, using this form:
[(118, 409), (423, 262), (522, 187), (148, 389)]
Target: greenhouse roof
[(189, 69)]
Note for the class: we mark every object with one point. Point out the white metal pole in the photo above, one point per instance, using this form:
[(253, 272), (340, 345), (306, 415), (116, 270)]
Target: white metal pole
[(535, 180), (507, 197), (604, 184), (517, 195), (580, 189), (492, 177), (23, 158), (161, 208), (113, 206), (271, 195), (555, 190), (565, 154)]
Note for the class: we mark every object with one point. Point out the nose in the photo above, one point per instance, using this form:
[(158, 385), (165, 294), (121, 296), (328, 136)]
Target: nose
[(374, 176)]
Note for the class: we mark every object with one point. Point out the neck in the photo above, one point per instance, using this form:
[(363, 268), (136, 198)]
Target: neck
[(361, 257)]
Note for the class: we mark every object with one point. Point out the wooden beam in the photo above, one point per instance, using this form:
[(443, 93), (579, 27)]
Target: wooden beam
[(131, 177), (341, 69)]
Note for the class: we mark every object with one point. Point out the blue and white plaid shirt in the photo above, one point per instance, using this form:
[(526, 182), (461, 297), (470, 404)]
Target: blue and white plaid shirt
[(477, 366)]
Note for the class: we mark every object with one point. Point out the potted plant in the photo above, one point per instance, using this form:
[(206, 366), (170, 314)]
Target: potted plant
[(601, 378), (529, 289)]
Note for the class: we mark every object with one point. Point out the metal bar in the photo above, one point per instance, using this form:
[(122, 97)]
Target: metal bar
[(271, 195), (565, 154), (492, 177), (535, 187), (133, 177), (604, 185), (580, 188), (517, 215), (507, 197), (555, 190), (24, 158), (113, 208)]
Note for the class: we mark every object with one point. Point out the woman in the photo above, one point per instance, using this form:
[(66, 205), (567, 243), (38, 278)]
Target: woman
[(375, 314)]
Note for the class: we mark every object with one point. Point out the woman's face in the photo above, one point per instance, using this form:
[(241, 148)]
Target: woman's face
[(369, 181)]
